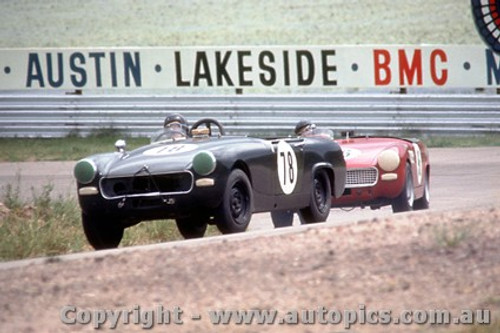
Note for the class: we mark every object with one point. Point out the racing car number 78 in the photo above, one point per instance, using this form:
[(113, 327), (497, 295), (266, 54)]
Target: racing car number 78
[(287, 167)]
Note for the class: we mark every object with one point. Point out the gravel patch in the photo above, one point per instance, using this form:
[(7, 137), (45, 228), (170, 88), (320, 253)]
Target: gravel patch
[(415, 261)]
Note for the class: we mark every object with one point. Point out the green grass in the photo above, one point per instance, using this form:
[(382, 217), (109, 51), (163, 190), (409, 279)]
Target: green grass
[(74, 148), (44, 226), (451, 236), (61, 149), (465, 141)]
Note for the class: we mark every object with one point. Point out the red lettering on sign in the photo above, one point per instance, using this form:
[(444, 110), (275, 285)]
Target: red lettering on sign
[(409, 71), (410, 67), (382, 59), (439, 80)]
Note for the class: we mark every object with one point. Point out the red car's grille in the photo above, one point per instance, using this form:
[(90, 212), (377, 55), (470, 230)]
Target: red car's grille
[(361, 177)]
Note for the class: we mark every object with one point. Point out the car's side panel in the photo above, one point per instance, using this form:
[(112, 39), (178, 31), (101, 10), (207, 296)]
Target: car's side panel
[(289, 174), (258, 162)]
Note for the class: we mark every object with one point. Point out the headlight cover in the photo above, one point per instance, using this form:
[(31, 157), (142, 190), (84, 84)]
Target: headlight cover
[(85, 171), (388, 160), (204, 163)]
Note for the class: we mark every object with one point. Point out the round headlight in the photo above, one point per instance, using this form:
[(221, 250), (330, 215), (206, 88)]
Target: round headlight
[(388, 160), (204, 163), (85, 171)]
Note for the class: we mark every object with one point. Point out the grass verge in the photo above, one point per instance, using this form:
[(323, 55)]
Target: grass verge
[(74, 148), (44, 226)]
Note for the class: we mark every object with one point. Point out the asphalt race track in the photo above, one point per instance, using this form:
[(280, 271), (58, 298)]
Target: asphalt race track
[(461, 178)]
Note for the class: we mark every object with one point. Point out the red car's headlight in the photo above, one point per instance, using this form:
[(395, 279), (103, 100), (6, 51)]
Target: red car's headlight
[(388, 160)]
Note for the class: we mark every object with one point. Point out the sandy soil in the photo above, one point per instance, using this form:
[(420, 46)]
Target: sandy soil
[(417, 261)]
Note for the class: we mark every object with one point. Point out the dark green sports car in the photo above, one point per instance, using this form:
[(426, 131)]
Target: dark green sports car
[(206, 178)]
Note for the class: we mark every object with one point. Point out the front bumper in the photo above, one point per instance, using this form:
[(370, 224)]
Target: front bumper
[(203, 198), (376, 189)]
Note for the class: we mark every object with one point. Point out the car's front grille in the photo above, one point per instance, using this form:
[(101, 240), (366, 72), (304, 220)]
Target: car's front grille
[(361, 177), (144, 185)]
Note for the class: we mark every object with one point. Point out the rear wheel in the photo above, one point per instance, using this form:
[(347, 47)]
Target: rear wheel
[(424, 201), (192, 227), (404, 201), (321, 199), (101, 232), (235, 211)]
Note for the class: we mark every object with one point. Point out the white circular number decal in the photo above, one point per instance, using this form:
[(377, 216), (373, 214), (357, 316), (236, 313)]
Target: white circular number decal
[(170, 149), (287, 167)]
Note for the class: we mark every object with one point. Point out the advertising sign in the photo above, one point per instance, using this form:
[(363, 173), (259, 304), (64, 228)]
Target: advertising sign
[(250, 67)]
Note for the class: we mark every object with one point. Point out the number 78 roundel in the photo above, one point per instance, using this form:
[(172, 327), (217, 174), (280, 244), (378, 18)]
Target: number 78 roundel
[(287, 167)]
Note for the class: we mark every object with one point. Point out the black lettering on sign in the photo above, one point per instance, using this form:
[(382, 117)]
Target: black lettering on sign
[(79, 76), (34, 71), (51, 73), (132, 67), (242, 69), (97, 56), (266, 57), (221, 68), (248, 68), (305, 74), (114, 75), (58, 69), (286, 68), (492, 68), (202, 70), (178, 71), (327, 68)]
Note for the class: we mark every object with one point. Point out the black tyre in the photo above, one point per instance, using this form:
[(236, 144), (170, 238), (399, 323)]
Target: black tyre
[(321, 199), (193, 227), (404, 202), (235, 211), (102, 233), (424, 201), (282, 218)]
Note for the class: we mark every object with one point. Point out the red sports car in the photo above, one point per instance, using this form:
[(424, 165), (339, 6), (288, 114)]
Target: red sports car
[(380, 171), (385, 171)]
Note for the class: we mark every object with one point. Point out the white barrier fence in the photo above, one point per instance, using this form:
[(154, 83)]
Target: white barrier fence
[(37, 115)]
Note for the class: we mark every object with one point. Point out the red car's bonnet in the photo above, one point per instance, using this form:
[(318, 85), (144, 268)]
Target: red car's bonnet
[(364, 151)]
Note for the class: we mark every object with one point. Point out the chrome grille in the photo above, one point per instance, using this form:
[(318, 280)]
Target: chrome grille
[(147, 185), (361, 177)]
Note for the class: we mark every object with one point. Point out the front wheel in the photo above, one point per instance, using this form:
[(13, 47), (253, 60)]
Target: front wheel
[(193, 227), (235, 211), (102, 233), (321, 200), (404, 201)]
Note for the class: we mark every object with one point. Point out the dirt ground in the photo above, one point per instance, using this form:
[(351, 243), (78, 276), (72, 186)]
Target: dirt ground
[(409, 262)]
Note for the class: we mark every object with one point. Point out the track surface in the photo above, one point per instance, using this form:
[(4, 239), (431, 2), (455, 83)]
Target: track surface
[(389, 261), (460, 178)]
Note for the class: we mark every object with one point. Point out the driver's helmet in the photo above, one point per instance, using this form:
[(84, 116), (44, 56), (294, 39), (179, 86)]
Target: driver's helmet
[(304, 127), (176, 123)]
